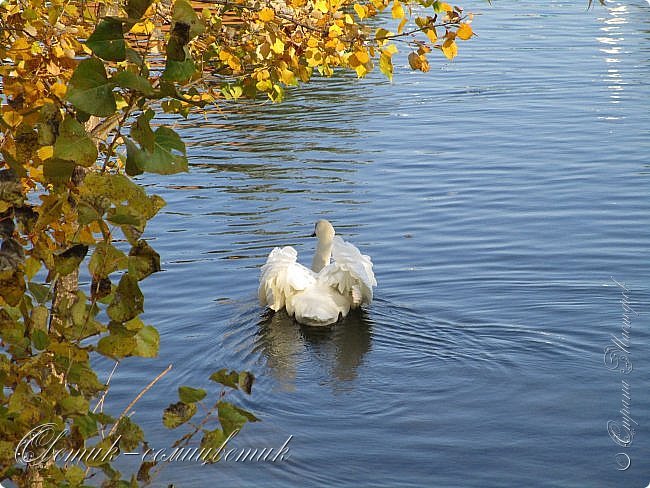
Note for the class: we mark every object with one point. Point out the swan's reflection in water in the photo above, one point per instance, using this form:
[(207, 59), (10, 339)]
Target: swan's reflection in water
[(339, 350)]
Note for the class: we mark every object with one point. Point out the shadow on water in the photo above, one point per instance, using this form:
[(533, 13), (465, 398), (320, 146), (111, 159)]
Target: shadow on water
[(339, 349)]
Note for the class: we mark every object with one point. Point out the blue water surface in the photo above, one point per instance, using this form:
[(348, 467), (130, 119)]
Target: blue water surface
[(499, 196)]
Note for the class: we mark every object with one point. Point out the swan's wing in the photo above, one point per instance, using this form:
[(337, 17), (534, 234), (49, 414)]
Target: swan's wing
[(282, 276), (351, 272)]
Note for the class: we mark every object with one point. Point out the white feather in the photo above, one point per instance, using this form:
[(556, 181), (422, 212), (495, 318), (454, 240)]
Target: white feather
[(318, 298)]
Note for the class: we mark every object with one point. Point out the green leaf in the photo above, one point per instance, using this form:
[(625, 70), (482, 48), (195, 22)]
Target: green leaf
[(135, 324), (39, 292), (183, 13), (86, 425), (75, 475), (81, 374), (39, 317), (40, 339), (116, 346), (245, 381), (117, 188), (32, 266), (100, 288), (106, 260), (107, 41), (164, 159), (57, 171), (73, 144), (133, 57), (178, 70), (132, 81), (212, 439), (89, 89), (188, 394), (130, 434), (147, 342), (141, 130), (70, 259), (230, 418), (135, 9), (143, 260), (178, 413), (83, 320), (128, 301), (134, 156), (226, 378), (121, 215), (74, 404), (49, 120)]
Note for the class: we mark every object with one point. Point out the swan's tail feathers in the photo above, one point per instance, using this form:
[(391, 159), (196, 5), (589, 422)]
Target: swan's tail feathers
[(281, 276), (316, 309), (351, 273)]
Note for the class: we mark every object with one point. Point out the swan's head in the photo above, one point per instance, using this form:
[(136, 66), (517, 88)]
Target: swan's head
[(323, 230)]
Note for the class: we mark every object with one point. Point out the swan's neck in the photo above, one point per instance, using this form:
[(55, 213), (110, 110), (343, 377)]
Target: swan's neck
[(322, 256)]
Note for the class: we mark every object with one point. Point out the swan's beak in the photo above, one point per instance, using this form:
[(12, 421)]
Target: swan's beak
[(313, 235)]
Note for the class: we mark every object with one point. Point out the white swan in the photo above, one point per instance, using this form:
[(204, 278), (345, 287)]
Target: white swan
[(327, 291)]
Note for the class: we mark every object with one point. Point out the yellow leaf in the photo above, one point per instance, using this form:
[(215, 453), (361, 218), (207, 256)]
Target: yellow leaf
[(53, 69), (362, 56), (121, 103), (361, 11), (278, 46), (464, 32), (314, 57), (58, 52), (21, 44), (401, 25), (398, 10), (145, 27), (85, 236), (450, 49), (267, 14), (322, 6), (390, 49), (12, 119), (312, 42), (234, 63), (59, 90), (361, 70), (431, 34), (287, 77), (45, 152), (386, 65), (335, 31), (224, 55), (264, 85), (446, 7)]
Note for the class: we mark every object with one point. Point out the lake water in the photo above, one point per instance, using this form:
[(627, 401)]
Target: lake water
[(499, 196)]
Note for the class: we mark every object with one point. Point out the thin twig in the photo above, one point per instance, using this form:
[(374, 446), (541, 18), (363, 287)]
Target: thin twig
[(118, 134), (133, 402), (108, 382), (422, 29)]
